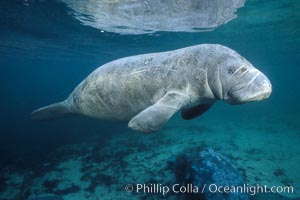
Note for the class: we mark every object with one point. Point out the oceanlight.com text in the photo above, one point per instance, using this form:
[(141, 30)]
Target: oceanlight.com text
[(211, 188)]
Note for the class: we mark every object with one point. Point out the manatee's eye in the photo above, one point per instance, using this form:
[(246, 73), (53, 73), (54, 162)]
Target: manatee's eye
[(243, 69)]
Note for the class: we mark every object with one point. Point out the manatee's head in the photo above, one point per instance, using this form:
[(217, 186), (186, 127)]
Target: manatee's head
[(236, 80)]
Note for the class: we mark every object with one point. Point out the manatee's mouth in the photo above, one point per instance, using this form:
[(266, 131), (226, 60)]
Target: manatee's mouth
[(256, 90), (259, 96)]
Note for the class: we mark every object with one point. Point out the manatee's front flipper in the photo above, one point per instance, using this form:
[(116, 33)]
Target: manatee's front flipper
[(154, 117), (191, 113)]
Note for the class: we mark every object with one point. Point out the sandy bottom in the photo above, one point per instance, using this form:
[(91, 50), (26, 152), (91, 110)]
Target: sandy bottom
[(266, 152)]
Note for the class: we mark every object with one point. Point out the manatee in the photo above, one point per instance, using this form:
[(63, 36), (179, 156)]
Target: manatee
[(142, 17), (148, 89)]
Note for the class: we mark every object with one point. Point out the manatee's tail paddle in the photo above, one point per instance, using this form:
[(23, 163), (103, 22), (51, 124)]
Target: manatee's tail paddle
[(53, 111)]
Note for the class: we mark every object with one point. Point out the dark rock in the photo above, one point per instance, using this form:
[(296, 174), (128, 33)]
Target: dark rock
[(199, 167)]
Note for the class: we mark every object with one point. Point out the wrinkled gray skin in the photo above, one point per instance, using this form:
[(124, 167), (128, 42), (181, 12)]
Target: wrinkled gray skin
[(147, 90)]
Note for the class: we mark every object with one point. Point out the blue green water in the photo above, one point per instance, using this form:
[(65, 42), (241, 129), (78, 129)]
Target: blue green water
[(45, 53)]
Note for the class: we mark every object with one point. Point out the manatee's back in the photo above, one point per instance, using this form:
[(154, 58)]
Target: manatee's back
[(122, 88)]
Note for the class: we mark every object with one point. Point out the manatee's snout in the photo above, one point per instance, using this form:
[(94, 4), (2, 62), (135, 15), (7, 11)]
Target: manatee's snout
[(261, 88), (253, 88)]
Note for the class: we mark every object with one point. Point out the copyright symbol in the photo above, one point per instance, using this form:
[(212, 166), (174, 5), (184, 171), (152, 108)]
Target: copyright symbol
[(129, 188)]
